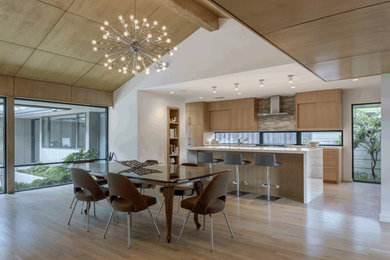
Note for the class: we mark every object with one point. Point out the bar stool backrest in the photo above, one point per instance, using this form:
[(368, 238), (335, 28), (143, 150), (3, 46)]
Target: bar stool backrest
[(205, 157), (233, 158), (265, 159)]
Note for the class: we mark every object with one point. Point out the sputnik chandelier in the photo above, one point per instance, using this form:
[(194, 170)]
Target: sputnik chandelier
[(134, 47)]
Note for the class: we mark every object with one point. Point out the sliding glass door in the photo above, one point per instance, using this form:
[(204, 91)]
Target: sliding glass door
[(366, 140), (47, 135)]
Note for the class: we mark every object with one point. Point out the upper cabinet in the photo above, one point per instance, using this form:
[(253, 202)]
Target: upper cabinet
[(319, 110), (232, 115)]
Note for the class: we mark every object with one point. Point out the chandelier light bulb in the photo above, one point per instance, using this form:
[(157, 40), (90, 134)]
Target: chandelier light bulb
[(105, 23), (165, 33), (155, 23), (93, 42), (106, 55), (105, 64), (147, 24), (168, 40), (164, 28), (123, 58), (95, 48), (120, 17), (126, 34), (139, 58), (159, 56), (125, 72), (109, 60), (171, 53), (158, 70), (149, 35), (119, 70), (109, 67), (102, 28), (154, 59), (175, 48), (131, 17), (105, 37), (145, 20)]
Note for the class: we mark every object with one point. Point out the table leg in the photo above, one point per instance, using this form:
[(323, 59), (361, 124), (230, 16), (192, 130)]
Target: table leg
[(168, 196), (198, 186)]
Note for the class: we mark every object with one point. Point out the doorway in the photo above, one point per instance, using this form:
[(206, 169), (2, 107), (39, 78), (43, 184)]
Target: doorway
[(366, 142)]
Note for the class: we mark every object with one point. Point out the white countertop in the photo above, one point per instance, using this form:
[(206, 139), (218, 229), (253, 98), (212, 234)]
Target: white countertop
[(254, 149)]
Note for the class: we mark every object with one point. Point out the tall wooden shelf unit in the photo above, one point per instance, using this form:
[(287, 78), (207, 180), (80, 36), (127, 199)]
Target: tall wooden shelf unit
[(173, 126)]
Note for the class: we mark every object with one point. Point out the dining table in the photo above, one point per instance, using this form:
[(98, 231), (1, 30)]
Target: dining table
[(167, 176)]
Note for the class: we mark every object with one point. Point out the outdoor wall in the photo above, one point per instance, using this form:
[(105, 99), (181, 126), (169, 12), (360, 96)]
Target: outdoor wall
[(152, 126), (385, 185), (354, 96)]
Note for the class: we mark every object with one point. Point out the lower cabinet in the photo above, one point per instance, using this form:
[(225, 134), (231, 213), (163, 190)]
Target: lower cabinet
[(332, 164)]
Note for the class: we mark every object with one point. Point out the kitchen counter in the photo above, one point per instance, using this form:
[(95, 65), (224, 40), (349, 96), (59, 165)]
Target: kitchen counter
[(254, 149), (300, 177)]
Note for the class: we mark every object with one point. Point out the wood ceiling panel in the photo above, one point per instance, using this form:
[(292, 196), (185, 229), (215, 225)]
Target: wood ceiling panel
[(178, 28), (267, 16), (109, 10), (26, 22), (72, 37), (12, 57), (54, 68), (353, 33), (99, 78), (63, 4), (353, 67)]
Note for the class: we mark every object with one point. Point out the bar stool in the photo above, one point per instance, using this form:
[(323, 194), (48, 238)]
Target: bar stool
[(268, 160), (236, 159), (207, 157)]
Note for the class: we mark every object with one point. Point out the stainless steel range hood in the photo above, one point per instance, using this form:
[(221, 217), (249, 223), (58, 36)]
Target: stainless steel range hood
[(274, 108)]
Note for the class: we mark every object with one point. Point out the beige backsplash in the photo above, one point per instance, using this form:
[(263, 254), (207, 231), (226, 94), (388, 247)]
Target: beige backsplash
[(277, 123)]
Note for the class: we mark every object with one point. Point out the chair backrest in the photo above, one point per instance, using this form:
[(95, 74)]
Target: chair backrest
[(205, 157), (263, 159), (233, 158), (152, 161), (216, 189), (82, 180), (190, 164), (121, 187)]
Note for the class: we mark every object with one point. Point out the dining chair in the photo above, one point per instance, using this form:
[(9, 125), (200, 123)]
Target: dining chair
[(125, 197), (142, 186), (86, 189), (209, 202), (180, 191)]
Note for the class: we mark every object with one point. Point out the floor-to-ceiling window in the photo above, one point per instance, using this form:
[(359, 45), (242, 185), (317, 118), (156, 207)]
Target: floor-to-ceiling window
[(2, 145), (47, 135), (366, 141)]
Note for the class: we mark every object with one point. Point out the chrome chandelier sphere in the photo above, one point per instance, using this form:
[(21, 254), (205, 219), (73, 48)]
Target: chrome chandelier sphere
[(134, 47)]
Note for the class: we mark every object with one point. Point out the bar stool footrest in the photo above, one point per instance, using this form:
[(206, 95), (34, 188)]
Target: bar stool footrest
[(264, 197), (265, 185), (241, 182), (234, 192)]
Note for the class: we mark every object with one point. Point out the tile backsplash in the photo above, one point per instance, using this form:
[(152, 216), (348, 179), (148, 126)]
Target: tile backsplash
[(277, 123)]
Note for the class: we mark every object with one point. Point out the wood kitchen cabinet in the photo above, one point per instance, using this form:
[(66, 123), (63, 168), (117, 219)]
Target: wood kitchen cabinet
[(332, 160), (319, 110), (232, 115), (196, 122)]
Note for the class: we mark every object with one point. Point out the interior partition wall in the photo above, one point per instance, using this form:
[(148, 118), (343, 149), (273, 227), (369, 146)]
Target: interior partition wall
[(2, 146), (49, 136)]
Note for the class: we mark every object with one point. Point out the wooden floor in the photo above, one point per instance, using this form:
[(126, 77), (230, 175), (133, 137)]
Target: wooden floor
[(341, 224)]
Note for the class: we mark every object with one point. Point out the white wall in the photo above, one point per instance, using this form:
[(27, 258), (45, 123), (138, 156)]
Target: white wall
[(354, 96), (152, 126), (385, 178)]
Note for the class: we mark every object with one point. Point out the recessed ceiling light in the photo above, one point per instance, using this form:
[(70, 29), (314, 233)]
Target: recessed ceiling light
[(290, 78), (261, 83), (293, 86), (172, 92), (355, 79), (200, 97), (238, 93)]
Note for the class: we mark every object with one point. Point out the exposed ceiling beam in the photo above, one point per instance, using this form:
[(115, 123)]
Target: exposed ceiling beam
[(193, 12)]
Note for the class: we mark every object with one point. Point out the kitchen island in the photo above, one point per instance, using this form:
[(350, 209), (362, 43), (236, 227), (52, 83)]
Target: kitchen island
[(300, 177)]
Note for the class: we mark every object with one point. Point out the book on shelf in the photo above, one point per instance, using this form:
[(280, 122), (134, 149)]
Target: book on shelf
[(173, 149), (172, 133)]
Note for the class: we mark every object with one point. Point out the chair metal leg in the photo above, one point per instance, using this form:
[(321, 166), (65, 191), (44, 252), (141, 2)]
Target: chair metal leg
[(116, 217), (211, 233), (228, 223), (108, 223), (238, 180), (159, 210), (129, 215), (71, 204), (204, 222), (71, 215), (155, 195), (94, 208), (154, 222), (182, 229), (82, 207), (88, 206), (178, 204)]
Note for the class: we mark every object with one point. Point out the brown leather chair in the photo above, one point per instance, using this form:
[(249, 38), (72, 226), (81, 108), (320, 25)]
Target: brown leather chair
[(86, 189), (180, 191), (125, 197), (209, 202)]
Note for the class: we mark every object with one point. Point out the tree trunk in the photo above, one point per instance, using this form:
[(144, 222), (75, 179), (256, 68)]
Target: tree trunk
[(373, 165)]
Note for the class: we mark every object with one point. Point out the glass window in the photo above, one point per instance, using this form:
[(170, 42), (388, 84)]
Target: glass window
[(232, 137), (47, 134), (324, 137), (279, 138)]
